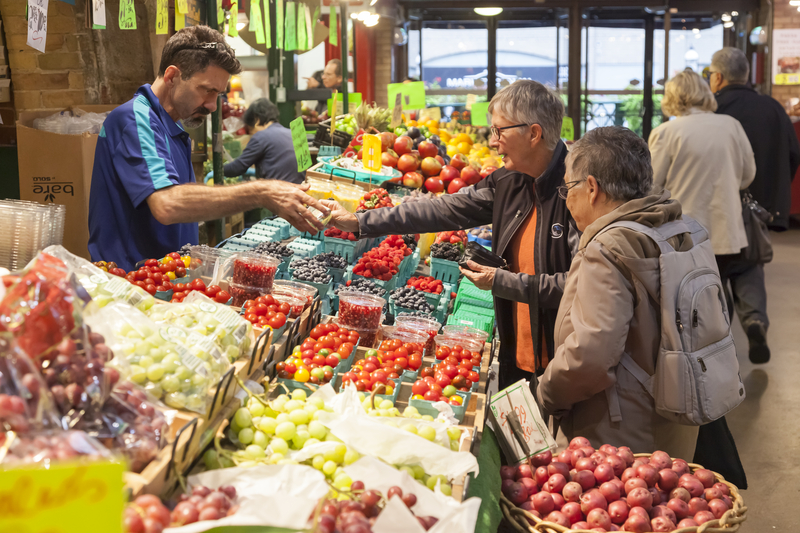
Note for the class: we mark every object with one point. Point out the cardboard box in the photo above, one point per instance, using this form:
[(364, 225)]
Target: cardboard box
[(56, 168), (532, 435)]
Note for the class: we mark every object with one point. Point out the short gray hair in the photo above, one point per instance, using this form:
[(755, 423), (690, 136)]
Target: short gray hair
[(685, 91), (530, 102), (617, 158), (733, 65)]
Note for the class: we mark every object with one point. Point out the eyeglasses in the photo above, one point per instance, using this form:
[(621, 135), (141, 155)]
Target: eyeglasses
[(496, 131), (563, 190)]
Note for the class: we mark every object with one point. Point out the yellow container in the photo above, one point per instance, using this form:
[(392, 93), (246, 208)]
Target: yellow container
[(424, 244), (321, 190), (348, 197)]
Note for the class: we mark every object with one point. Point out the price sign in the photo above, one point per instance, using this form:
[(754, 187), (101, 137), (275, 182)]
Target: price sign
[(480, 114), (371, 153), (127, 15), (413, 94), (531, 429), (431, 113), (567, 129), (37, 24), (353, 101), (98, 14), (162, 17), (300, 142), (65, 498)]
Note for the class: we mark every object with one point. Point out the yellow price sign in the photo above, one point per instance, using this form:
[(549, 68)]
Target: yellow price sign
[(65, 498), (371, 153)]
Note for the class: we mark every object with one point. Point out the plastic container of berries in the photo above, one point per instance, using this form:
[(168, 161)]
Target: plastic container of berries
[(302, 290), (254, 270), (241, 293), (458, 331), (360, 311), (418, 324)]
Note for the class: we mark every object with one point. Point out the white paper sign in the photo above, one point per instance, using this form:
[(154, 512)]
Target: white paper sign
[(37, 24), (518, 398), (99, 12), (786, 57)]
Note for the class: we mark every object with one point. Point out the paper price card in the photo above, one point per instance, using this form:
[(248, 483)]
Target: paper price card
[(98, 14), (431, 113), (333, 32), (162, 17), (127, 15), (397, 111), (371, 155), (300, 142), (353, 101), (413, 94), (257, 21), (480, 114), (65, 498), (567, 129), (532, 431), (37, 24)]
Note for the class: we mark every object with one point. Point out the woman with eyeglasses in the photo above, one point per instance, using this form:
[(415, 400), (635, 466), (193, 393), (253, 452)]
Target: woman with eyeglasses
[(531, 226)]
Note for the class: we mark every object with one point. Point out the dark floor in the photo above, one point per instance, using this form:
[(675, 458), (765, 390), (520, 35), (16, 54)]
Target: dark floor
[(766, 425)]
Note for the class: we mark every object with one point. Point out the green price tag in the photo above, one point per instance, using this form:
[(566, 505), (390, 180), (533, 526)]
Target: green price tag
[(567, 129), (302, 39), (257, 21), (413, 94), (479, 114), (291, 26), (127, 15), (353, 101), (300, 142), (267, 25), (279, 24), (162, 17), (333, 33)]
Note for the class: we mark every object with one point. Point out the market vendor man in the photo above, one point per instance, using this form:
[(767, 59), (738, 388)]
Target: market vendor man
[(144, 200), (531, 226)]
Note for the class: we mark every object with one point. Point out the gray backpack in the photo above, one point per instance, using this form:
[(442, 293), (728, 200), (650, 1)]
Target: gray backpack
[(697, 373)]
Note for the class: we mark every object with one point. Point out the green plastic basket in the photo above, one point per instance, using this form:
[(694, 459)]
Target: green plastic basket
[(426, 408), (445, 270), (475, 321), (350, 250)]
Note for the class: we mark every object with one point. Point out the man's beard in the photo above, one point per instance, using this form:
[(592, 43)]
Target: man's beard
[(194, 121)]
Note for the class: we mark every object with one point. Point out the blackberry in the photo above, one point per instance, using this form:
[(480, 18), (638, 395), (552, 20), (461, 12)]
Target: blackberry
[(410, 241), (363, 285), (445, 250)]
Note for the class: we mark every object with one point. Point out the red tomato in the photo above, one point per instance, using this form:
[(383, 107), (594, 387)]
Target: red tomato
[(249, 303), (150, 288), (269, 300), (345, 349), (222, 297), (251, 317), (180, 287), (198, 284), (212, 290), (277, 321), (180, 272), (151, 263), (174, 255), (285, 308), (260, 309)]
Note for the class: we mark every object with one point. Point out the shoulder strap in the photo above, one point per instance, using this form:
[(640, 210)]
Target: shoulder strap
[(659, 235)]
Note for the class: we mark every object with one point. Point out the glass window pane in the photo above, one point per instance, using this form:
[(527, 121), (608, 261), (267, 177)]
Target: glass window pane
[(526, 51), (455, 56), (413, 54)]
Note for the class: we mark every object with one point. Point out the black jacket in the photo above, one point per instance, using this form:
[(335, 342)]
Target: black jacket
[(504, 199), (774, 143)]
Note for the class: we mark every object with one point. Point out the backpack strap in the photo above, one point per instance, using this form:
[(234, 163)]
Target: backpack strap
[(612, 395)]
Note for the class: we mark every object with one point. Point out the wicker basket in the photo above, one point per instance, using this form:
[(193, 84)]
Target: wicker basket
[(520, 519)]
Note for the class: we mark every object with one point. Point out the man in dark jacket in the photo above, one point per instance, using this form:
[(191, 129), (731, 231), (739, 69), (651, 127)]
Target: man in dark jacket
[(777, 156), (531, 226)]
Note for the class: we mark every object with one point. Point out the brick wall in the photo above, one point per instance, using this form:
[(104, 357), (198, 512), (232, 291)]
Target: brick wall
[(785, 17)]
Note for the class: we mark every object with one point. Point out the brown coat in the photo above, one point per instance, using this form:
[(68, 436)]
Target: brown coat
[(610, 306)]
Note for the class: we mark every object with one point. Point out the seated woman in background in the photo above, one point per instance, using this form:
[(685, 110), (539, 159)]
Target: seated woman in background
[(270, 148)]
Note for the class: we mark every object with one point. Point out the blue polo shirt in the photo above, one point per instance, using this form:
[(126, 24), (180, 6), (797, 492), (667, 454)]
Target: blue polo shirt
[(139, 151)]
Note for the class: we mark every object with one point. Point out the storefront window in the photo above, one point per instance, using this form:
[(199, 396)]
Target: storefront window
[(527, 50), (454, 61)]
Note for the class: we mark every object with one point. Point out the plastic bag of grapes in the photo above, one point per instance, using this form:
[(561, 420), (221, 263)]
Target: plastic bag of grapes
[(215, 321), (46, 446), (131, 422), (103, 287), (175, 365)]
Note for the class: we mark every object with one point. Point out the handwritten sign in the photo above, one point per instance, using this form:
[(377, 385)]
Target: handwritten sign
[(397, 111), (232, 30), (302, 38), (257, 21), (371, 155), (290, 30), (333, 28), (480, 114), (267, 25), (162, 17), (300, 142), (63, 498), (431, 113), (353, 101), (413, 94), (98, 14), (533, 431), (127, 15), (181, 8), (567, 129), (279, 24), (37, 24)]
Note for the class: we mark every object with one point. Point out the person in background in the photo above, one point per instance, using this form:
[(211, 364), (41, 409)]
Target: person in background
[(607, 309), (145, 200), (777, 156), (332, 75), (315, 82), (270, 148), (532, 228), (704, 160)]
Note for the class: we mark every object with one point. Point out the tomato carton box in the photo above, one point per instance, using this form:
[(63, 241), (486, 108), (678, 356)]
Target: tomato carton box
[(518, 424)]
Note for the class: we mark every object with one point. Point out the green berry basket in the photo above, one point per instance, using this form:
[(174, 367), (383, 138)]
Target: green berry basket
[(426, 408)]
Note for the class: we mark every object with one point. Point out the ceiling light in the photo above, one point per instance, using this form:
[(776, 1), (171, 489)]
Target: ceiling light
[(372, 20), (488, 11), (794, 3), (725, 17), (373, 2), (695, 30), (734, 13), (728, 24), (354, 16), (364, 15)]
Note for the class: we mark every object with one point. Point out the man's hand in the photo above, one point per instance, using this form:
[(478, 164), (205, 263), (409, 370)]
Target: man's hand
[(289, 201), (341, 218), (481, 276)]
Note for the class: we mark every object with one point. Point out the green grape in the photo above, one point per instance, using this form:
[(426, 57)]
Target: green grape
[(299, 416), (351, 457), (282, 417), (386, 404), (255, 407), (408, 470), (278, 446), (243, 417), (394, 411), (447, 490), (299, 395), (155, 372), (186, 385), (431, 483), (268, 425), (256, 421), (329, 468), (170, 362), (138, 374), (373, 412), (183, 373), (145, 361), (226, 462), (342, 482), (454, 433), (310, 442), (310, 409), (236, 428), (260, 439), (317, 430), (317, 402), (302, 427), (429, 418), (211, 459), (286, 430), (154, 389), (170, 383), (291, 405), (383, 412), (318, 462), (157, 354), (247, 464), (143, 348), (454, 445), (175, 400), (419, 472), (232, 353), (246, 436), (254, 452), (300, 439), (427, 432), (275, 458), (411, 428), (330, 437), (339, 452)]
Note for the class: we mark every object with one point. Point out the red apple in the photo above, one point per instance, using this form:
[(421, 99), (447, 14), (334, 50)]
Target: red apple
[(434, 185), (440, 159), (430, 167), (458, 161), (455, 186), (470, 175), (407, 163), (412, 179), (448, 173), (360, 153), (428, 149), (485, 171), (403, 145), (389, 158), (387, 140)]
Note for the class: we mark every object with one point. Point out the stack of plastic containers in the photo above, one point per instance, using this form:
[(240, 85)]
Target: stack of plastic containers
[(363, 313), (252, 276), (27, 228), (418, 324)]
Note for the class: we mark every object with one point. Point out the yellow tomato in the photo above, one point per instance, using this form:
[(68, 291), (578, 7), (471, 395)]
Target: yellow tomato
[(187, 261), (464, 138), (302, 375), (432, 124), (456, 398), (451, 150), (411, 123), (171, 275), (444, 135), (463, 147)]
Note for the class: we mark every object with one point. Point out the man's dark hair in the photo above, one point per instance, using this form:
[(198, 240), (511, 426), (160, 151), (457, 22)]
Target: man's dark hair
[(261, 112), (318, 76), (194, 48), (338, 64)]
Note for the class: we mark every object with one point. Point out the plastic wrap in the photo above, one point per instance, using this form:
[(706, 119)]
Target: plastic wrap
[(176, 365), (42, 447), (217, 322)]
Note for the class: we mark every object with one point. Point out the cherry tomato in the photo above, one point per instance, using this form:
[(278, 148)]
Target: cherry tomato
[(212, 290), (222, 297), (278, 321)]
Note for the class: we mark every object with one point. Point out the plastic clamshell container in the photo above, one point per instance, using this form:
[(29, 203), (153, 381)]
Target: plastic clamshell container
[(471, 344), (296, 303), (465, 331), (254, 270), (359, 310), (418, 324), (295, 288), (241, 293)]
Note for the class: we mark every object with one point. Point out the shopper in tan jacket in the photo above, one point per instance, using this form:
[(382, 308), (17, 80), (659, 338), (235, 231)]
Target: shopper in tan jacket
[(611, 300)]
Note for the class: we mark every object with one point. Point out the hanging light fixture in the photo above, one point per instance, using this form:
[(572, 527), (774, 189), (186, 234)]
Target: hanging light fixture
[(488, 11), (372, 20), (725, 17), (728, 24)]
